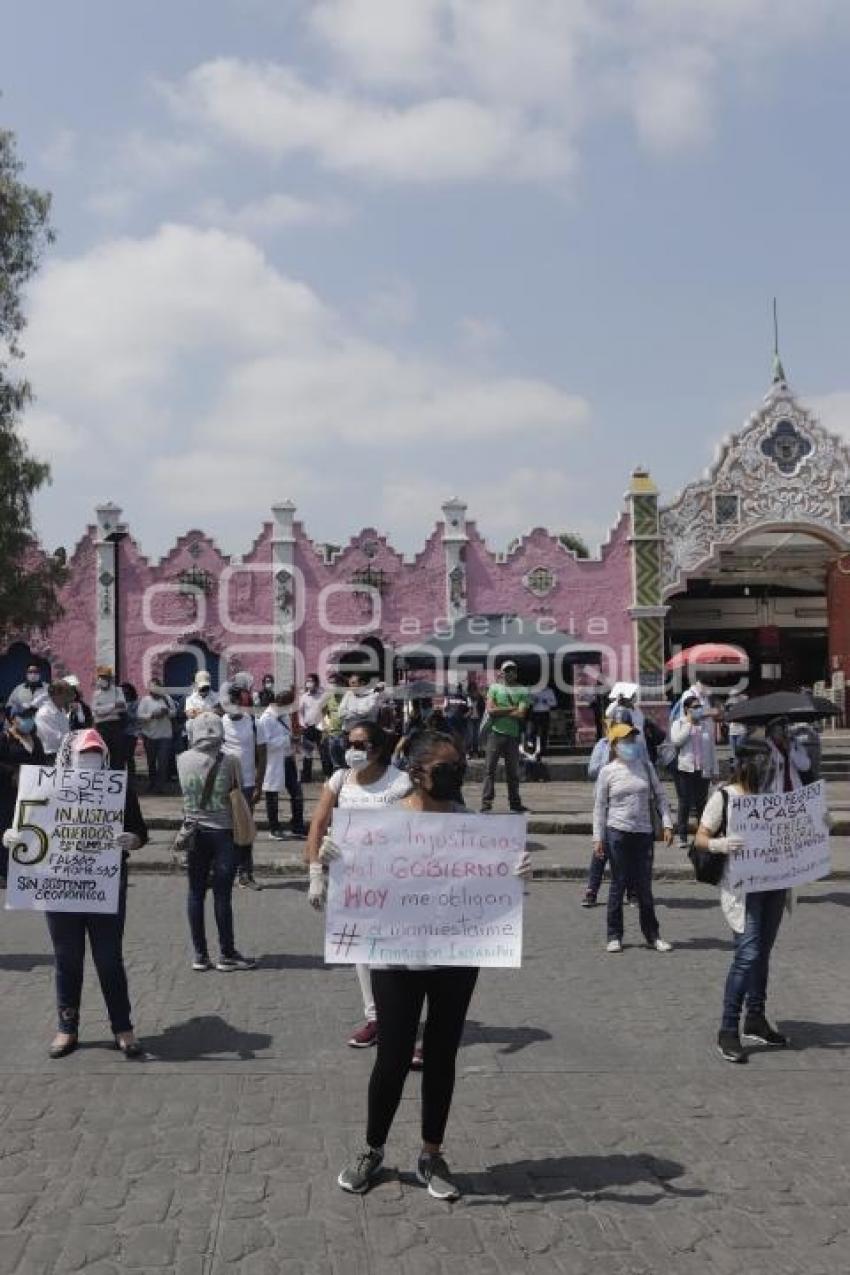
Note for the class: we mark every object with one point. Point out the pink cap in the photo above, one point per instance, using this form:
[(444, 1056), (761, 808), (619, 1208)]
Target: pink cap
[(85, 740)]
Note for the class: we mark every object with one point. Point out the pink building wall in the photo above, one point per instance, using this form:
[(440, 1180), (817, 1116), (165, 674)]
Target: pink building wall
[(589, 599)]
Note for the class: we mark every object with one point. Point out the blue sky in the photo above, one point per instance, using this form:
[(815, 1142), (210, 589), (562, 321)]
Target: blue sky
[(372, 253)]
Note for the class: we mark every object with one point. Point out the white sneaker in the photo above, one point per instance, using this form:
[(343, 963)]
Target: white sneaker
[(614, 945), (661, 945)]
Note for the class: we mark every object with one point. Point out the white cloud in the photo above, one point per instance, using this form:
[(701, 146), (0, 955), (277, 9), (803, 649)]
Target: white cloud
[(278, 211), (833, 411), (212, 383), (273, 110), (464, 90), (393, 305)]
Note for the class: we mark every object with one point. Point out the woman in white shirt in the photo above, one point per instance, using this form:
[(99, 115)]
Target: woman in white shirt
[(367, 779), (692, 735), (627, 789), (754, 918)]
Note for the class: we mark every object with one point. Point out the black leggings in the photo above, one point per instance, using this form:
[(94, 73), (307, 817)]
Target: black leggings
[(399, 997)]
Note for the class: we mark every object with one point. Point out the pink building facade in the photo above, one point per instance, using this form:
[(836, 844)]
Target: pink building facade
[(291, 607)]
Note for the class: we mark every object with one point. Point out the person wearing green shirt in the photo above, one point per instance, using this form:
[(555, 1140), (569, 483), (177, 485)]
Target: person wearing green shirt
[(507, 707)]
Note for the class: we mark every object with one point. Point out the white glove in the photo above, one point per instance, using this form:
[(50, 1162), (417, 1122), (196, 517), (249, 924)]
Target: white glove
[(523, 868), (329, 850), (317, 890), (127, 842), (725, 845), (11, 838)]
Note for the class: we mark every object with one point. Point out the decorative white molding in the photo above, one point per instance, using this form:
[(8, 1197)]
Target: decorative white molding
[(108, 522), (454, 542), (284, 596), (788, 473)]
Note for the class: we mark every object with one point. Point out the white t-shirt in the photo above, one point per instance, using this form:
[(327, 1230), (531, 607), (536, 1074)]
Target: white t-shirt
[(52, 726), (310, 708), (240, 741), (274, 732), (392, 786), (196, 703), (544, 701)]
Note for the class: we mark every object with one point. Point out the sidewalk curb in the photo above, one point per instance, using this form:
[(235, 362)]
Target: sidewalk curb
[(556, 872)]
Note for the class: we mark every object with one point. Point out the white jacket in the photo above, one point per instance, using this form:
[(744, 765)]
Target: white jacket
[(681, 735)]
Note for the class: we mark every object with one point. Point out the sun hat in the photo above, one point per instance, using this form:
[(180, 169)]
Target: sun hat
[(620, 730), (202, 678)]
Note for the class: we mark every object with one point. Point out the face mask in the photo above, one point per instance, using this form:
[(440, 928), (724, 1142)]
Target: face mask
[(446, 779), (33, 679), (356, 758), (628, 752), (234, 714), (203, 690), (103, 683), (90, 761), (207, 745), (697, 714), (25, 725)]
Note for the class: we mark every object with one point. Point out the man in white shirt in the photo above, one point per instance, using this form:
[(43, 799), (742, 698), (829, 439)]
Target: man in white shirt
[(542, 703), (32, 691), (201, 699), (51, 719), (310, 709), (360, 703), (155, 714), (241, 742), (109, 712)]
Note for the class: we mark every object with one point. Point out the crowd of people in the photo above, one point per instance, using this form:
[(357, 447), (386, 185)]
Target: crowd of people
[(374, 749)]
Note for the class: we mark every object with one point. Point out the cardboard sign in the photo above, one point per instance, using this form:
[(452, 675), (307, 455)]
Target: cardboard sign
[(67, 858), (786, 839), (425, 889)]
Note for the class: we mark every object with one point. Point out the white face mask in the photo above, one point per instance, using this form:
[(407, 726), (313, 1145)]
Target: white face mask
[(356, 758), (92, 760)]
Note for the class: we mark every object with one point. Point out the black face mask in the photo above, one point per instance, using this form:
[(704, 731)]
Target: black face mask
[(446, 779)]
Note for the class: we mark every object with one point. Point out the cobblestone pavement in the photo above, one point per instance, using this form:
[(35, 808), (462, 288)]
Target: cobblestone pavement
[(594, 1127)]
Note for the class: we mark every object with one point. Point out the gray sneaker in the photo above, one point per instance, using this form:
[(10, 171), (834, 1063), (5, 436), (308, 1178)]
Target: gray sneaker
[(433, 1172), (361, 1173), (225, 964)]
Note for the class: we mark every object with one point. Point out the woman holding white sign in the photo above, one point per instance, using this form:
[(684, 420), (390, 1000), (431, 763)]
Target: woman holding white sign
[(436, 773), (86, 750), (368, 779), (754, 917)]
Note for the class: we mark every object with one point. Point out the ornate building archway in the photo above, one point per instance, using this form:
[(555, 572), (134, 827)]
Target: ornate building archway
[(747, 551)]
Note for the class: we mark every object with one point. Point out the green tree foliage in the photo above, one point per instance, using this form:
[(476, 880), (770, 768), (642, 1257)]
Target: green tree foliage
[(29, 581)]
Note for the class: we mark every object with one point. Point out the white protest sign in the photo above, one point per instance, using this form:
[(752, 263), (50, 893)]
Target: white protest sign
[(425, 889), (67, 858), (786, 839)]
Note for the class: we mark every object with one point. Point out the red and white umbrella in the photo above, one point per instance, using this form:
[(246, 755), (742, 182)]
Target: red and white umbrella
[(707, 654)]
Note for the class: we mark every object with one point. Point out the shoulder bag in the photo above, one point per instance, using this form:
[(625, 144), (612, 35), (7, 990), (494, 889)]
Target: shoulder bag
[(708, 865), (244, 828), (187, 832)]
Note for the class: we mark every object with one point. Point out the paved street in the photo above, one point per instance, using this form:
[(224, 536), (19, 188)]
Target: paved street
[(594, 1128)]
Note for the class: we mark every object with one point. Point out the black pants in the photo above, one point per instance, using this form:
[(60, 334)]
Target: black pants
[(540, 723), (105, 932), (692, 792), (296, 799), (213, 854), (399, 997)]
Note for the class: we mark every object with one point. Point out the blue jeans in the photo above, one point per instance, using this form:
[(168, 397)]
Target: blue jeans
[(105, 932), (747, 977), (631, 867), (214, 849)]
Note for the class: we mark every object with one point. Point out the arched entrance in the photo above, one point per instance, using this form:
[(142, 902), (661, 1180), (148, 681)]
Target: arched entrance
[(767, 593), (179, 668), (13, 667), (748, 552)]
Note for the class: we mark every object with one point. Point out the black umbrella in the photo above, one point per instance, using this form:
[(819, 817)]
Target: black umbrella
[(797, 706), (416, 689)]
